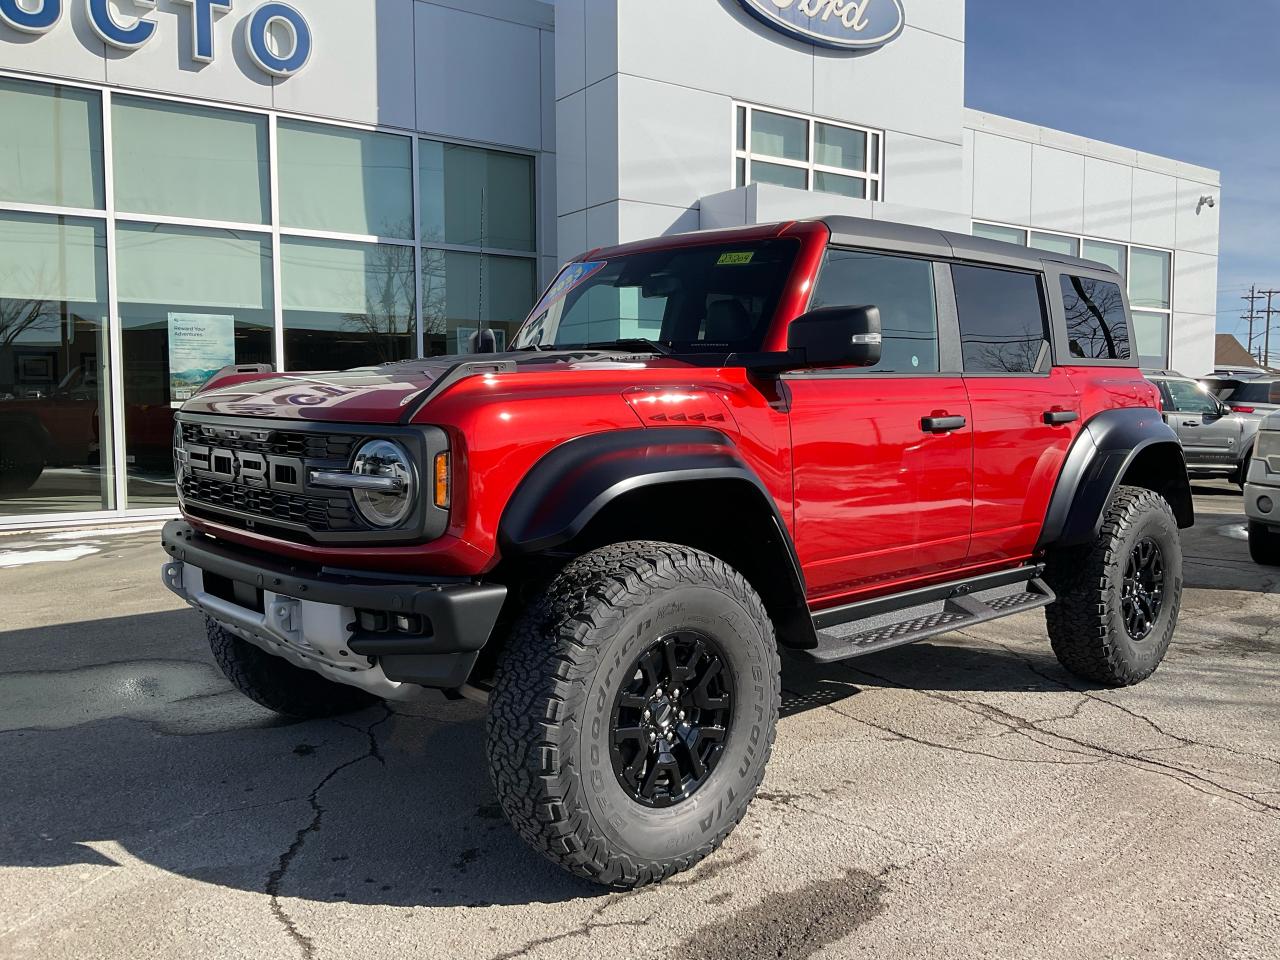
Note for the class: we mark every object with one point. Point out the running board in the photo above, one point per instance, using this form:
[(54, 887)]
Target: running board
[(907, 625)]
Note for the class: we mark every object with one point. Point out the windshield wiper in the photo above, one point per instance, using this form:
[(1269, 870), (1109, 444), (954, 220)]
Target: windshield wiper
[(634, 343)]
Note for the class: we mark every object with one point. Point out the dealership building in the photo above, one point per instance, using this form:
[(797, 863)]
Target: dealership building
[(325, 183)]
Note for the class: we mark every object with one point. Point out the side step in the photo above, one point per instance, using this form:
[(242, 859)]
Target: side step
[(909, 624)]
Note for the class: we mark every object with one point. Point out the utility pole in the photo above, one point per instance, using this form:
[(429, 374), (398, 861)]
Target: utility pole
[(1267, 334), (1253, 297)]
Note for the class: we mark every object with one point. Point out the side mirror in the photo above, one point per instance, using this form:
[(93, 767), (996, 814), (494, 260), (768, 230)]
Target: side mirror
[(837, 337)]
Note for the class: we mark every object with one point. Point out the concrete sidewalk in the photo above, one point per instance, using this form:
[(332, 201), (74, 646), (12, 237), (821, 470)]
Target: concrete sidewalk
[(958, 798)]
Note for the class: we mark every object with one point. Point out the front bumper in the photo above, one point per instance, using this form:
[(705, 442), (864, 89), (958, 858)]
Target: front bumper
[(1261, 482), (385, 634)]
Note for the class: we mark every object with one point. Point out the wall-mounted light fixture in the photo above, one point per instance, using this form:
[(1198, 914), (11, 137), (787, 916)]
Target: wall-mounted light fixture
[(1206, 201)]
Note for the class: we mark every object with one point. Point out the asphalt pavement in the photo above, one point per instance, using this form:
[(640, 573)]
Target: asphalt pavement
[(962, 797)]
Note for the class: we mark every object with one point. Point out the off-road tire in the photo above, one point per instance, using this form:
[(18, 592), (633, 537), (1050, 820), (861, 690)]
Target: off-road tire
[(550, 710), (1086, 623), (1264, 544), (277, 684)]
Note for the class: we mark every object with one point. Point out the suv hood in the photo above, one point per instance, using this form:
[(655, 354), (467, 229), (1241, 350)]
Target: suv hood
[(388, 393)]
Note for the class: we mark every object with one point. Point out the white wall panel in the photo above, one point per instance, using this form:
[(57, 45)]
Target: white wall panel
[(1198, 231), (922, 173), (477, 77), (1191, 348), (362, 68), (71, 49), (674, 145), (1195, 282), (1155, 209), (1001, 179), (571, 152), (602, 112), (1108, 199), (1057, 189)]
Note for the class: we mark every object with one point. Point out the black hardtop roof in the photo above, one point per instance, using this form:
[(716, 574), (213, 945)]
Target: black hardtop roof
[(882, 234)]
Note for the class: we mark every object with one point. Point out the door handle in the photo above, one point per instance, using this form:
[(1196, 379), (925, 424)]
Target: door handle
[(1191, 423), (1058, 417), (941, 424)]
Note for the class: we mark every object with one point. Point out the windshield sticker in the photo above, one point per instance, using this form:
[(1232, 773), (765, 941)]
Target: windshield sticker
[(737, 259), (570, 277)]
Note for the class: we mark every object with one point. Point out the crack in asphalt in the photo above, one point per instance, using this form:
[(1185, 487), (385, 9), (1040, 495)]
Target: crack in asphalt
[(584, 929), (1023, 726), (276, 878)]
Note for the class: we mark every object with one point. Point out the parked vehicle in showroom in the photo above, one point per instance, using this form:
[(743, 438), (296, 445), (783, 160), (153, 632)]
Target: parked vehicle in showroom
[(1262, 494), (830, 437), (1216, 440)]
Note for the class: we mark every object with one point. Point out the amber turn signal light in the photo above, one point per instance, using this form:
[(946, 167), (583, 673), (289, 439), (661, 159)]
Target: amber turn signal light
[(441, 480)]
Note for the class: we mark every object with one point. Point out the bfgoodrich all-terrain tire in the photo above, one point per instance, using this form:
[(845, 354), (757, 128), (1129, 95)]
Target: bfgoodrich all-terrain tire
[(1118, 597), (277, 684), (1264, 544), (633, 712)]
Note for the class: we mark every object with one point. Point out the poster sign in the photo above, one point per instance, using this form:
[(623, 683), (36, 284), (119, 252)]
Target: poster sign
[(200, 344)]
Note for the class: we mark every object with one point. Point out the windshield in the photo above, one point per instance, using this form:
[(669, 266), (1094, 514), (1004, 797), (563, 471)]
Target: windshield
[(710, 298)]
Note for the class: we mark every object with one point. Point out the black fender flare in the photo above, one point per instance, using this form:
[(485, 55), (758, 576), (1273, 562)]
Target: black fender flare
[(1098, 460), (572, 483)]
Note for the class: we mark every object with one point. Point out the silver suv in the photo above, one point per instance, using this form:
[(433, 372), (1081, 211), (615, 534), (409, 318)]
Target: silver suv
[(1246, 394), (1216, 441), (1262, 494)]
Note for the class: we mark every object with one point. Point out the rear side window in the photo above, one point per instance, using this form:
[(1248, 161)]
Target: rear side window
[(1249, 391), (1096, 324), (902, 289), (1003, 326)]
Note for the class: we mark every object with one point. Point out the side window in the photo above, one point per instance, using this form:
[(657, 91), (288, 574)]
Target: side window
[(1002, 319), (1189, 397), (902, 288), (1096, 324)]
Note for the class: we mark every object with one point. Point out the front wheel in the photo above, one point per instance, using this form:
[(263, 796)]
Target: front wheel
[(1118, 597), (634, 711)]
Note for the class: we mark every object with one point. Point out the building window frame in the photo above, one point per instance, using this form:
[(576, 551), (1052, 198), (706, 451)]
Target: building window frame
[(742, 156), (1080, 239), (110, 217)]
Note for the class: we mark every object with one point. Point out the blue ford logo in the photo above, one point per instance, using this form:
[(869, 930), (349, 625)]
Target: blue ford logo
[(842, 24)]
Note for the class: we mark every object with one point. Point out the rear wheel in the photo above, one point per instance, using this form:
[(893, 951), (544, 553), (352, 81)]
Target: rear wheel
[(633, 712), (1118, 597), (1264, 544), (277, 684)]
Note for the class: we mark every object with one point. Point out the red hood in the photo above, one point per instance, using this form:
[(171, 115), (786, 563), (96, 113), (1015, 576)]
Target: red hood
[(382, 394)]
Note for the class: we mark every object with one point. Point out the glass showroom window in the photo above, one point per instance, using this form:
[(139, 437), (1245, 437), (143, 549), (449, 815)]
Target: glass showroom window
[(191, 302), (51, 148), (479, 269), (1149, 274), (175, 160), (791, 150), (55, 398), (347, 181), (346, 304), (473, 303)]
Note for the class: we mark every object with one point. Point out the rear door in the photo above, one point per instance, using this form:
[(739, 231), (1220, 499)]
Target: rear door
[(1209, 432), (883, 456), (1026, 412)]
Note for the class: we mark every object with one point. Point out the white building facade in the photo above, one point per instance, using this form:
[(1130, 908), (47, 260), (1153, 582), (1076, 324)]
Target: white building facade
[(320, 184)]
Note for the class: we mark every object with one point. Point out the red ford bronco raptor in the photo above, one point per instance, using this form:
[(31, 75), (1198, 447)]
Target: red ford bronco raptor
[(831, 437)]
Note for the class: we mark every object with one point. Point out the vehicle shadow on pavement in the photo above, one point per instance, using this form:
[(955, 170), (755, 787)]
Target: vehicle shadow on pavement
[(124, 747)]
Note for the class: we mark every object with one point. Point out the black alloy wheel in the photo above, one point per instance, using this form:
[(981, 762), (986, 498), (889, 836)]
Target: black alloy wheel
[(1143, 590), (669, 722)]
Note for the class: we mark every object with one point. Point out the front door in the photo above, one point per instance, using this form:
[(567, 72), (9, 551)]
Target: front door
[(883, 456), (1209, 432)]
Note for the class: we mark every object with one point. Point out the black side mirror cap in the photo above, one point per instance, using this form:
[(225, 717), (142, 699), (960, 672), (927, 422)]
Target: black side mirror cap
[(837, 337)]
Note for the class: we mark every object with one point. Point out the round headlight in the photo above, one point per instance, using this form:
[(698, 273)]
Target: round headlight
[(385, 505)]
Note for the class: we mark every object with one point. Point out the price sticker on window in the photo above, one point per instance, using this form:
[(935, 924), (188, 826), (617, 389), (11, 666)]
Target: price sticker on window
[(735, 259)]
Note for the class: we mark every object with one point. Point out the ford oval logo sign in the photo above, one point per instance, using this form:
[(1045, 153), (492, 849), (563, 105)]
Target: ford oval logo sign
[(842, 24)]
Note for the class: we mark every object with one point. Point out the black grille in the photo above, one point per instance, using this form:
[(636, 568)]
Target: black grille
[(279, 443), (316, 513)]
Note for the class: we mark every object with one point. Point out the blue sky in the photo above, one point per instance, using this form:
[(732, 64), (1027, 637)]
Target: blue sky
[(1195, 80)]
